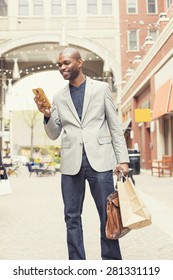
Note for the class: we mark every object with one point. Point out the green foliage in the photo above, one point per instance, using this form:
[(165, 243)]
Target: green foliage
[(49, 151)]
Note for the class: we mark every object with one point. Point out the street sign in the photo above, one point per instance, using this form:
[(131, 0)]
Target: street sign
[(142, 115)]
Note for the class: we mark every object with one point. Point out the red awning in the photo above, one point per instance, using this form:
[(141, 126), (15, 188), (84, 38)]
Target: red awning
[(161, 100), (170, 107)]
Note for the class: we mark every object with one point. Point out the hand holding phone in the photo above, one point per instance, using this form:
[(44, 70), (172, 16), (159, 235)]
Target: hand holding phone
[(41, 97)]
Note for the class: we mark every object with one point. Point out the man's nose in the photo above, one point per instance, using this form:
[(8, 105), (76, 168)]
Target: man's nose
[(63, 66)]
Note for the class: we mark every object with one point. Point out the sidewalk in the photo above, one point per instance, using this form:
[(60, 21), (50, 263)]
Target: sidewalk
[(32, 223), (155, 241)]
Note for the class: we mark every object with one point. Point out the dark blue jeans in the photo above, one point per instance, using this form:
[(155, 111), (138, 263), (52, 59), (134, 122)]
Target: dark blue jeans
[(73, 191)]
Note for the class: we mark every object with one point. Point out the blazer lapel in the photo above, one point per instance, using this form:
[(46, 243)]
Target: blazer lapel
[(70, 103), (87, 96)]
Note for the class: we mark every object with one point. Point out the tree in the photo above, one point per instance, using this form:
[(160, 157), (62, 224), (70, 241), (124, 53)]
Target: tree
[(31, 117)]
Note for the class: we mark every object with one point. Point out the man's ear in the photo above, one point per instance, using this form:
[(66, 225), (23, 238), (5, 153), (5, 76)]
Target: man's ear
[(80, 62)]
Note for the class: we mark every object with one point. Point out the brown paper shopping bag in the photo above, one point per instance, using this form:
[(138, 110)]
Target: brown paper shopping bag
[(134, 212)]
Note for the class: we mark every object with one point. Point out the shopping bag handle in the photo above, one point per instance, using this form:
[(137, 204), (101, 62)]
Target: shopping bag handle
[(121, 176)]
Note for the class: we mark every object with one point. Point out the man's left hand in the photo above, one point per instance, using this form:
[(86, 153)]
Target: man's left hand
[(123, 167)]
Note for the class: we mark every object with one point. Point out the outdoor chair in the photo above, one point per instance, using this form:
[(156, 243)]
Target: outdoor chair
[(47, 171), (32, 170), (162, 167), (40, 171), (13, 170)]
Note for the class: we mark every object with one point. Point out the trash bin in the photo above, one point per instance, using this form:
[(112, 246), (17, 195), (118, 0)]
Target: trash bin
[(134, 157), (130, 175)]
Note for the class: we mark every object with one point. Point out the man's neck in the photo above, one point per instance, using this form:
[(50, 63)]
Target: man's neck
[(78, 81)]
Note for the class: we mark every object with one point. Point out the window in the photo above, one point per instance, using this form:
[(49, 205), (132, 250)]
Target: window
[(71, 7), (169, 2), (151, 6), (153, 34), (107, 7), (3, 8), (92, 7), (132, 6), (56, 7), (133, 40), (38, 7), (23, 8)]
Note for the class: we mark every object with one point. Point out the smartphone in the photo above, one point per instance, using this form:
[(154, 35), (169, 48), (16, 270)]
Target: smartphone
[(42, 96)]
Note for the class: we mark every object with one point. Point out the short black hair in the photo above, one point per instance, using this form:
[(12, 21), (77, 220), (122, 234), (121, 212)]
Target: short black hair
[(72, 52)]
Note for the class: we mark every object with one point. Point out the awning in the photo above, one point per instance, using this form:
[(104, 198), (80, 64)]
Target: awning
[(126, 124), (161, 100), (170, 107)]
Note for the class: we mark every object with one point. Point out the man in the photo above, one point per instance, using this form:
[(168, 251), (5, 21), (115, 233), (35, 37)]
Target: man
[(92, 144), (3, 173)]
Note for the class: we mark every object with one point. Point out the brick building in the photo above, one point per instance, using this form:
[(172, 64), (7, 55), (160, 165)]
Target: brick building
[(150, 86), (138, 26)]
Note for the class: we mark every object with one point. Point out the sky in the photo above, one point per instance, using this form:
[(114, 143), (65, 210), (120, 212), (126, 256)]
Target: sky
[(21, 97)]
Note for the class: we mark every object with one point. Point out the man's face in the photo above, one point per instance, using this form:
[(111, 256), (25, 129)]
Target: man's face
[(69, 66)]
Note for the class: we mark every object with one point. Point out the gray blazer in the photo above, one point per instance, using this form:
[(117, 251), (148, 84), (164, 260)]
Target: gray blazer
[(99, 130)]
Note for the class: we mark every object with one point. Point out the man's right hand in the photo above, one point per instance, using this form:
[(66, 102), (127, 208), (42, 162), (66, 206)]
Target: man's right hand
[(42, 108)]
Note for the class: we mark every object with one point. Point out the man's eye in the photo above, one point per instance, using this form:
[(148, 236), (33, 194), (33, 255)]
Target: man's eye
[(64, 63), (67, 63)]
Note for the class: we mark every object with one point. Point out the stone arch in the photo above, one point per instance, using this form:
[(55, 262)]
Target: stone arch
[(84, 43)]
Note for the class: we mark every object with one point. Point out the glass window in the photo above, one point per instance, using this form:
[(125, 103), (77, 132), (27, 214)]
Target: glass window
[(107, 7), (153, 34), (38, 7), (3, 8), (23, 8), (92, 7), (131, 6), (169, 2), (133, 40), (71, 7), (56, 7), (151, 6)]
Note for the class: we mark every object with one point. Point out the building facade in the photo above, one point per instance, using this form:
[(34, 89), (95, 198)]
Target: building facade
[(138, 25), (150, 87)]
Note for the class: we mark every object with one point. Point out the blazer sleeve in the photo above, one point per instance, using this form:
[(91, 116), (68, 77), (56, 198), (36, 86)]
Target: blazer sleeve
[(115, 129), (53, 126)]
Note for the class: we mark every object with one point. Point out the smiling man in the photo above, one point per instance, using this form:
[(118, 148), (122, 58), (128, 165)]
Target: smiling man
[(92, 148)]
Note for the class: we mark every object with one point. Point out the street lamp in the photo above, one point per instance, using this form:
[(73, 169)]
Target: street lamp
[(16, 73)]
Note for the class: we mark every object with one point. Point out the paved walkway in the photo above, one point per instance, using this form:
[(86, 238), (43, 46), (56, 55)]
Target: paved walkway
[(154, 242), (32, 225)]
